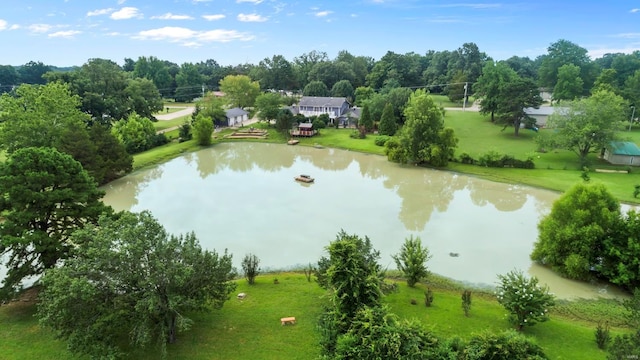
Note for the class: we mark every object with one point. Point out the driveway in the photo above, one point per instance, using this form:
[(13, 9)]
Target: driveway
[(185, 111)]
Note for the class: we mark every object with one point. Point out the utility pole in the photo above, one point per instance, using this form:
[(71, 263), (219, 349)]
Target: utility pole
[(202, 91), (633, 112), (464, 99)]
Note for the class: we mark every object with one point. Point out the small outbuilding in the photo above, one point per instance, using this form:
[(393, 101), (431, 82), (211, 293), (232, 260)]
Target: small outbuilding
[(622, 153), (303, 129), (236, 116)]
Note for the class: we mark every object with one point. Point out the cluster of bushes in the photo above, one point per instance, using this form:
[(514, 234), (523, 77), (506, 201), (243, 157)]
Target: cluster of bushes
[(497, 160)]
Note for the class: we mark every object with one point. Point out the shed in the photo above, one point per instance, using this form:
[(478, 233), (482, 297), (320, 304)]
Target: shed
[(622, 153), (303, 129), (236, 116)]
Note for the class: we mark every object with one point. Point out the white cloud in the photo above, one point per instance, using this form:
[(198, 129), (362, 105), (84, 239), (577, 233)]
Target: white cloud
[(126, 13), (40, 28), (14, 27), (65, 34), (120, 2), (251, 18), (170, 16), (100, 12), (323, 13), (473, 6), (213, 17), (598, 53), (634, 10), (249, 1), (3, 24), (628, 35), (192, 38)]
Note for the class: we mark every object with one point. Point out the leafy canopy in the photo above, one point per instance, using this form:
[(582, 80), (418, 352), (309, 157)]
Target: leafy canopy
[(130, 279)]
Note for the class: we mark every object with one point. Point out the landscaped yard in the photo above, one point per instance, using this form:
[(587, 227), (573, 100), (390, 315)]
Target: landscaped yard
[(251, 329)]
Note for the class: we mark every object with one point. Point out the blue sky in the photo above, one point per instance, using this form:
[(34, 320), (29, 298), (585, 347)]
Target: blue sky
[(69, 32)]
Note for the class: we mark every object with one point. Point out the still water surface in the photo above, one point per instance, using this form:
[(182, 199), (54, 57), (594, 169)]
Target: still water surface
[(243, 197)]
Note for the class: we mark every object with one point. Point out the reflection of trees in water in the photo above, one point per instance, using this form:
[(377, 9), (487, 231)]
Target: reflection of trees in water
[(504, 197), (243, 157), (422, 191), (122, 193), (329, 159), (369, 166)]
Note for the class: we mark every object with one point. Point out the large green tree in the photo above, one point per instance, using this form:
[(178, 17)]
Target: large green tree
[(571, 237), (343, 88), (239, 90), (101, 84), (32, 72), (156, 70), (514, 97), (130, 279), (587, 125), (621, 253), (189, 82), (423, 138), (569, 85), (136, 133), (268, 106), (366, 121), (563, 52), (202, 129), (45, 195), (144, 97), (316, 88), (489, 84)]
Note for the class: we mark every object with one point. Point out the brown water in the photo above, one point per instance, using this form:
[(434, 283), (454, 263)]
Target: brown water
[(243, 197)]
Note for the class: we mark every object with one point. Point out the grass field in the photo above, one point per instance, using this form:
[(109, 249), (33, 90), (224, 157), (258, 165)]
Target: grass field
[(250, 328)]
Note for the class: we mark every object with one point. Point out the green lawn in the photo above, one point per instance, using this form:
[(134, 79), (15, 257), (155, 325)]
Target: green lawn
[(165, 124), (250, 328)]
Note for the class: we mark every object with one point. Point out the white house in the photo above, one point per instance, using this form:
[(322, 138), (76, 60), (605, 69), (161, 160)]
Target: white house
[(317, 105), (236, 116), (541, 115)]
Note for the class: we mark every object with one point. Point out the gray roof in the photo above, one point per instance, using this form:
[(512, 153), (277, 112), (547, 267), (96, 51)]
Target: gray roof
[(235, 112), (322, 101), (543, 110)]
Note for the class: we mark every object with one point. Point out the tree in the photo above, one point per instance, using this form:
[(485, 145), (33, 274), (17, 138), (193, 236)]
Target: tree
[(412, 259), (315, 88), (156, 70), (8, 78), (202, 129), (284, 121), (569, 84), (239, 90), (130, 279), (571, 237), (251, 268), (213, 107), (343, 88), (362, 94), (354, 276), (101, 85), (365, 121), (563, 52), (587, 125), (621, 254), (507, 345), (268, 106), (32, 72), (487, 88), (189, 82), (46, 196), (631, 90), (136, 133), (526, 301), (514, 97), (144, 97), (37, 115), (388, 124), (423, 138), (276, 73), (113, 159)]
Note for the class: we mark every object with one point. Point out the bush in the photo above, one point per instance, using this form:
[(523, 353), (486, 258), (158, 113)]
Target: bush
[(526, 301), (250, 267), (495, 159), (466, 302), (428, 297), (625, 347), (466, 159), (412, 260), (319, 124), (508, 345), (602, 335), (381, 140)]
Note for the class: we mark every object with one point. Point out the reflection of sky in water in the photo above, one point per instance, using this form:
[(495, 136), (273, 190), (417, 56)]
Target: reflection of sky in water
[(243, 197)]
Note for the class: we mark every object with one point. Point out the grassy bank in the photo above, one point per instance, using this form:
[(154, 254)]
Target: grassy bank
[(250, 328)]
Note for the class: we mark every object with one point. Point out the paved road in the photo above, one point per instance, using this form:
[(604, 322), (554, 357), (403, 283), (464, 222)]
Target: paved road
[(185, 111)]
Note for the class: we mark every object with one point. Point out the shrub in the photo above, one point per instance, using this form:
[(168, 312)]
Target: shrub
[(184, 134), (250, 267), (625, 347), (602, 335), (636, 191), (466, 302), (381, 140), (466, 159), (428, 297), (412, 260), (319, 124), (508, 345), (526, 301)]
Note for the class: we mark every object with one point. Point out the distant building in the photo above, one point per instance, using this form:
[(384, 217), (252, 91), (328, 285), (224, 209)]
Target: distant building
[(236, 116), (541, 115), (622, 153)]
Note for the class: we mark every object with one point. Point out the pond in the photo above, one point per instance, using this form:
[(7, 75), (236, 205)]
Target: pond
[(243, 197)]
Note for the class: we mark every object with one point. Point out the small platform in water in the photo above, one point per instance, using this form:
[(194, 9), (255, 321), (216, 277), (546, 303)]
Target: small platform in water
[(304, 178)]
